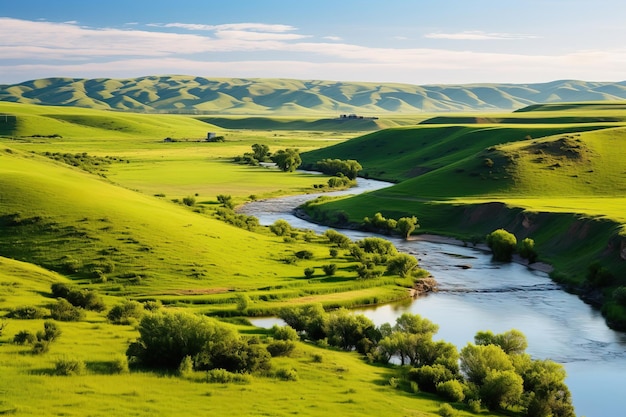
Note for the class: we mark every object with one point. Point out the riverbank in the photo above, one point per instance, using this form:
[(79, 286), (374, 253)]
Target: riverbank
[(426, 237)]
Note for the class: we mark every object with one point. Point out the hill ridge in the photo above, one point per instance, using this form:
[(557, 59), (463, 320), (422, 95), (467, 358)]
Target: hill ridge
[(200, 95)]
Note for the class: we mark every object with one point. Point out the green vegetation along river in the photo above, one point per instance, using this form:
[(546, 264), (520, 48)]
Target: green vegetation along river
[(477, 294)]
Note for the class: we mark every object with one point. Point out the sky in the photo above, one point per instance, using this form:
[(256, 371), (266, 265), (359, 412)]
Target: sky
[(419, 42)]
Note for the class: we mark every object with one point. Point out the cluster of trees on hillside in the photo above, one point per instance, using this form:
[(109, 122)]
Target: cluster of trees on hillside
[(287, 160), (494, 371), (404, 225)]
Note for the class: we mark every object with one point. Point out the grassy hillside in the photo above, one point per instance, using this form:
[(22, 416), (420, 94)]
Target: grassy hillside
[(561, 184), (188, 94)]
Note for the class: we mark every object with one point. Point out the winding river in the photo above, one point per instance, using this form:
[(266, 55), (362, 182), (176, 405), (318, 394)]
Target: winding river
[(497, 297)]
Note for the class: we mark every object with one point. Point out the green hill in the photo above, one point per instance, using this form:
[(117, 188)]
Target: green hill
[(561, 184), (259, 96)]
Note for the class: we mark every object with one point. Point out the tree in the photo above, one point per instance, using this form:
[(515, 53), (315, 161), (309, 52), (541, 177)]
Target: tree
[(347, 330), (512, 342), (308, 319), (502, 389), (478, 360), (527, 250), (502, 244), (350, 168), (337, 238), (243, 302), (406, 226), (287, 160), (260, 152)]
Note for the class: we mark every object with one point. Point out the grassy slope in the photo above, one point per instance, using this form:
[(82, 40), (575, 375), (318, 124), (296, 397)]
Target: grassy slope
[(576, 170), (183, 258)]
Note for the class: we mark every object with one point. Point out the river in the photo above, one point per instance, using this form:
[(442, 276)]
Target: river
[(497, 297)]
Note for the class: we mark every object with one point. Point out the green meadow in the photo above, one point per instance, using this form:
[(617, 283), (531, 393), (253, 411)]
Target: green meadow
[(96, 199)]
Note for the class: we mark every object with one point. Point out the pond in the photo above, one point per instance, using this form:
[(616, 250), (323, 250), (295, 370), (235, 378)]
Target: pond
[(477, 294)]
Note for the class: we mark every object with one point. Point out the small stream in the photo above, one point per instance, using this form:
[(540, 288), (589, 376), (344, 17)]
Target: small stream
[(497, 297)]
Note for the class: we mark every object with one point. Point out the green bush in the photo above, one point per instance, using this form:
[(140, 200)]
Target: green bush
[(281, 348), (63, 310), (24, 337), (502, 244), (284, 333), (451, 390), (309, 272), (287, 374), (620, 295), (304, 254), (527, 250), (446, 410), (128, 312), (69, 367), (329, 269), (27, 313)]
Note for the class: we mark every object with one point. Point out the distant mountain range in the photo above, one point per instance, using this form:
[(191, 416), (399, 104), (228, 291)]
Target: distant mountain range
[(188, 94)]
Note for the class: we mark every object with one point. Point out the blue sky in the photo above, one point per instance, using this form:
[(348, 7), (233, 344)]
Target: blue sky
[(404, 41)]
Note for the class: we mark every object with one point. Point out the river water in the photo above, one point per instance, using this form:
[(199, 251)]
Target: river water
[(497, 297)]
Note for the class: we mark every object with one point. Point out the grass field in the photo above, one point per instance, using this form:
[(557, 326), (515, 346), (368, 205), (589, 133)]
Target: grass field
[(121, 229)]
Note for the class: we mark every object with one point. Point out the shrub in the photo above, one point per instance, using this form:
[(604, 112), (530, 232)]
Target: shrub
[(222, 376), (281, 228), (24, 337), (428, 377), (62, 310), (309, 272), (474, 406), (60, 290), (402, 265), (40, 347), (281, 348), (502, 244), (186, 367), (50, 332), (446, 410), (287, 374), (599, 276), (68, 367), (119, 365), (451, 390), (284, 333), (189, 201), (126, 313), (527, 250), (333, 252), (27, 313), (304, 254), (329, 269)]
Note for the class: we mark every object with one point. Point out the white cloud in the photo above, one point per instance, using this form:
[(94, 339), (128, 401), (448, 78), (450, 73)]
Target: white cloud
[(478, 36), (256, 27), (33, 49), (333, 38)]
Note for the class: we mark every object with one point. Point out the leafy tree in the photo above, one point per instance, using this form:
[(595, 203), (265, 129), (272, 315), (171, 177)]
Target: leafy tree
[(502, 244), (429, 376), (544, 380), (414, 323), (308, 319), (232, 354), (189, 200), (527, 250), (478, 360), (284, 333), (511, 342), (287, 160), (261, 152), (406, 226), (377, 246), (349, 168), (347, 330), (502, 389)]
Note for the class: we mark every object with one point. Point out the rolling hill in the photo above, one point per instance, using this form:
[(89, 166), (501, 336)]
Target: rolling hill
[(188, 94), (544, 177)]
